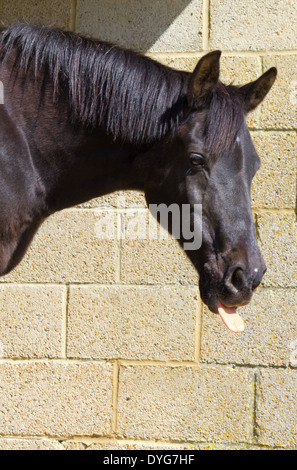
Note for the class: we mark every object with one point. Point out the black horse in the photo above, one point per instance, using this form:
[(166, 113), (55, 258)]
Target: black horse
[(82, 118)]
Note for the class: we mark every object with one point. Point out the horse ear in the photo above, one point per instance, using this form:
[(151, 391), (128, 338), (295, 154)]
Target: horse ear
[(204, 77), (255, 92)]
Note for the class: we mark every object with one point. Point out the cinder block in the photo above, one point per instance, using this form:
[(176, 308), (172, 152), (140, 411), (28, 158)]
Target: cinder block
[(240, 70), (278, 235), (142, 445), (67, 249), (55, 13), (253, 25), (56, 399), (124, 445), (279, 107), (74, 445), (145, 322), (118, 199), (144, 24), (31, 321), (270, 331), (30, 444), (201, 404), (274, 185), (185, 63), (276, 408), (151, 256)]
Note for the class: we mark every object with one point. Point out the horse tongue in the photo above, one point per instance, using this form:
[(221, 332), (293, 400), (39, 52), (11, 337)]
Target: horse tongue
[(231, 318)]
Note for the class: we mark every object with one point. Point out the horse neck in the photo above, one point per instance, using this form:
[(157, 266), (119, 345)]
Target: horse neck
[(74, 163), (80, 166)]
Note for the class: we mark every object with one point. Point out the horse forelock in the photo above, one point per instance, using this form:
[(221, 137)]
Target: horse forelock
[(224, 119)]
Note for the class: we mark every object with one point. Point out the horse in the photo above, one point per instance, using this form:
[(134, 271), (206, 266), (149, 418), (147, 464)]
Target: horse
[(81, 118)]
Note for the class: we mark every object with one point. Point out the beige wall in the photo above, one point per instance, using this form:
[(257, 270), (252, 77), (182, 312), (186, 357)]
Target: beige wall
[(105, 344)]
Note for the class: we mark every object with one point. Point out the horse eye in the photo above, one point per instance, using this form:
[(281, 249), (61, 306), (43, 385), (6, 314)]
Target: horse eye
[(197, 159)]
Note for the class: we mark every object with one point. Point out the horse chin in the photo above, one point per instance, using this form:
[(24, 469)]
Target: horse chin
[(212, 302), (209, 296)]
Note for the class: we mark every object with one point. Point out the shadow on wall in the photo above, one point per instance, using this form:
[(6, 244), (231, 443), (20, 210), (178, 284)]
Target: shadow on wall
[(141, 24)]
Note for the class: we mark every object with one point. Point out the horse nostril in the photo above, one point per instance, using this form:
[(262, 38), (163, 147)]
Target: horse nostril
[(238, 279)]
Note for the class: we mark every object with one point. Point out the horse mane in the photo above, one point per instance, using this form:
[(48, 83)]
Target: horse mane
[(132, 96)]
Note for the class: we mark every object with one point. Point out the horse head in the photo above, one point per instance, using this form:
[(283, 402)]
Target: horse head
[(209, 161)]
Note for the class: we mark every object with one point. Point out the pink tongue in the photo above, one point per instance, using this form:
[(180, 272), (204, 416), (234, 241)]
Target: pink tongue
[(230, 318)]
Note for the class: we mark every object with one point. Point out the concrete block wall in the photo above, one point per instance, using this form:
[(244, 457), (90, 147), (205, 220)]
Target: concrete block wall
[(105, 343)]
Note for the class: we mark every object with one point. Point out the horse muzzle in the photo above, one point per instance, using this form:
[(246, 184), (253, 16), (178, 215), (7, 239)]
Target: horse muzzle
[(232, 290)]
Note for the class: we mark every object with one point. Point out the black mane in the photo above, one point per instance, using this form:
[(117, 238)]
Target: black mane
[(133, 97)]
